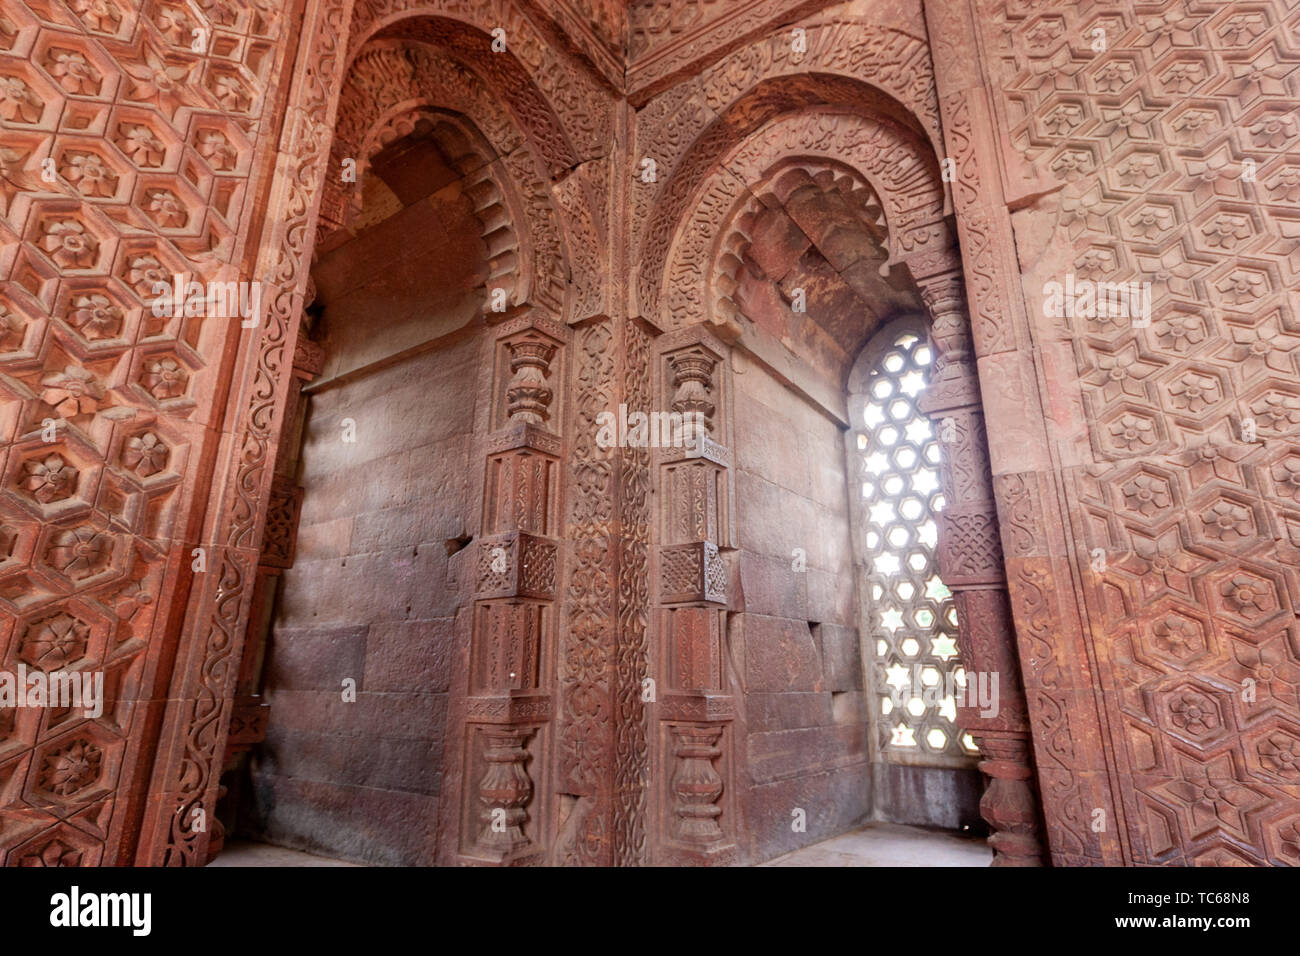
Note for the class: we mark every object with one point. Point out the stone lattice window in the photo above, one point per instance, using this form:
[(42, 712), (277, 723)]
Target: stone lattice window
[(909, 619)]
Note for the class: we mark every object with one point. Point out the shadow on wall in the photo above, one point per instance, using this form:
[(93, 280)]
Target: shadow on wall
[(367, 611)]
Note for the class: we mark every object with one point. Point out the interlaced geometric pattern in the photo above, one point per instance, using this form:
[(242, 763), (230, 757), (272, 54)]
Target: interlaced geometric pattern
[(911, 621)]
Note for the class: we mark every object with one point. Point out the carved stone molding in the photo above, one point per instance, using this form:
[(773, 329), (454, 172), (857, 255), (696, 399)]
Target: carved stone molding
[(503, 791), (716, 183), (512, 709), (696, 783), (692, 572), (516, 564)]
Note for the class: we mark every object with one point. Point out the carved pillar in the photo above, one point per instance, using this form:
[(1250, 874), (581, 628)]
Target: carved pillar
[(695, 714), (971, 564), (509, 707)]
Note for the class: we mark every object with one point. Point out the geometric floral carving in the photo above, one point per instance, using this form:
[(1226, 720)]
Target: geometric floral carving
[(1192, 714), (90, 174), (48, 478), (1198, 125), (18, 102), (1284, 837), (140, 144), (217, 150), (158, 80), (143, 273), (13, 329), (145, 454), (72, 392), (1209, 797), (1244, 595), (1174, 637), (103, 110), (1227, 521), (1276, 412), (68, 244), (80, 552), (1269, 667), (164, 378), (52, 853), (165, 209), (102, 16), (95, 316), (1278, 754), (73, 72), (54, 642), (73, 768), (230, 93), (1130, 432), (1146, 494)]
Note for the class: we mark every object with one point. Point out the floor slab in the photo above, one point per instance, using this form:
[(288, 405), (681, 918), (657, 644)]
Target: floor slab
[(246, 853), (889, 844), (875, 844)]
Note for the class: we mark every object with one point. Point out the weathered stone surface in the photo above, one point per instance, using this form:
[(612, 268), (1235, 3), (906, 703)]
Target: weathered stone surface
[(780, 654), (445, 239)]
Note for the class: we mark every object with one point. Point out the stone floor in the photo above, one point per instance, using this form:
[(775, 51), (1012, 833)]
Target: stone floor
[(888, 844), (246, 853), (876, 844)]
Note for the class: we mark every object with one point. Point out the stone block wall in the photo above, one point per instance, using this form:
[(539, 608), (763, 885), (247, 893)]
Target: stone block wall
[(370, 598), (793, 632), (1138, 561), (385, 466)]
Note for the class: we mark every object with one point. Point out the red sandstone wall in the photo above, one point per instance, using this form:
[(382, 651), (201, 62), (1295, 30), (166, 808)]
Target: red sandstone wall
[(794, 646), (1142, 467), (127, 155), (371, 597), (1123, 162)]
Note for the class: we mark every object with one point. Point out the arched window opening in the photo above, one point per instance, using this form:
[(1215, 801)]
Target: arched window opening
[(909, 618)]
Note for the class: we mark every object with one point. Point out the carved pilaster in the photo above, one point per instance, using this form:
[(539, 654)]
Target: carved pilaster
[(516, 567), (972, 566), (695, 713), (692, 372), (944, 296), (1010, 802)]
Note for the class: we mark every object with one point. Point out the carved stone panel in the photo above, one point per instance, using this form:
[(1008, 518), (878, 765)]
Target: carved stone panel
[(692, 572)]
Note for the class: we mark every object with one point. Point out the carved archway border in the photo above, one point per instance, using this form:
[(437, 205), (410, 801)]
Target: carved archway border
[(921, 238), (898, 168), (781, 183), (827, 113), (848, 61), (466, 27), (886, 59), (389, 77), (184, 784)]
